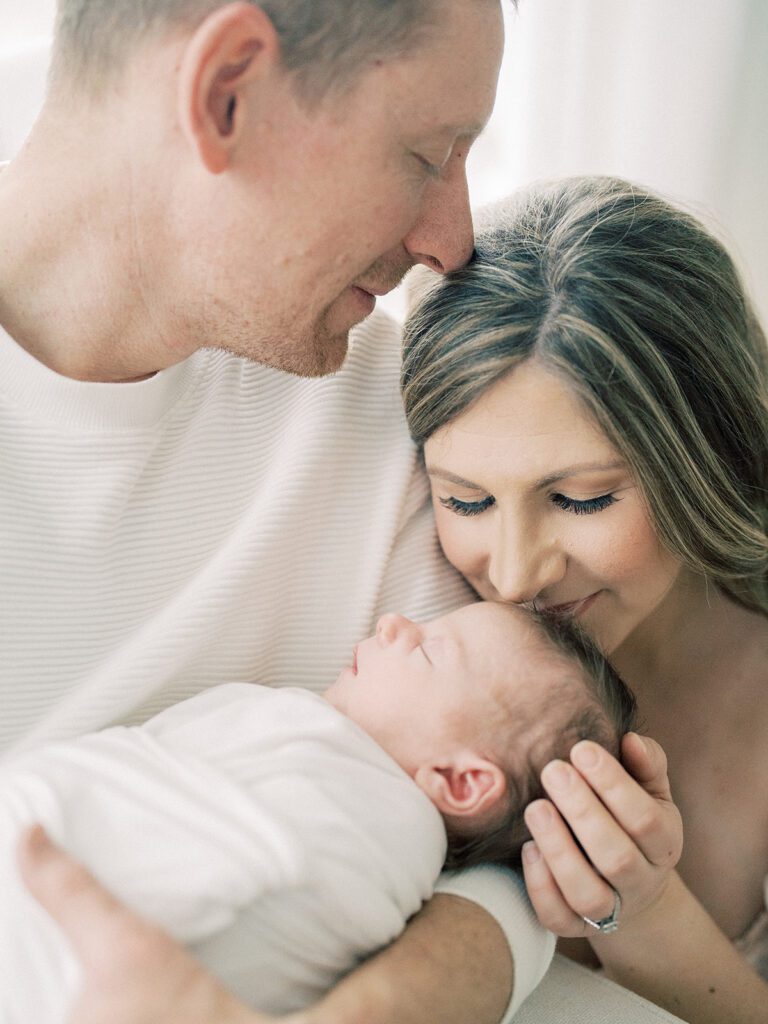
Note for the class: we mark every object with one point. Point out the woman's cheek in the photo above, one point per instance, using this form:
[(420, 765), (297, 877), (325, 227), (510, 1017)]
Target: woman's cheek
[(637, 553), (456, 540), (636, 573)]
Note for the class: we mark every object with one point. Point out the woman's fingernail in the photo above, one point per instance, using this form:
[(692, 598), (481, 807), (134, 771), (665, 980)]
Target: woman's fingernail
[(644, 744), (585, 755), (530, 852), (556, 775), (538, 815)]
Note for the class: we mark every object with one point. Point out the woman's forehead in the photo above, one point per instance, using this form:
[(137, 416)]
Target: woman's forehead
[(530, 426), (530, 401)]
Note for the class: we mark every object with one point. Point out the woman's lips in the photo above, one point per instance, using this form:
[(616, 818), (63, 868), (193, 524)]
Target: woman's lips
[(571, 610)]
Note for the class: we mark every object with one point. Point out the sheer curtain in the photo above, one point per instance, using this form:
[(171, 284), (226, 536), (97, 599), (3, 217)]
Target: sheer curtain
[(670, 93), (22, 21)]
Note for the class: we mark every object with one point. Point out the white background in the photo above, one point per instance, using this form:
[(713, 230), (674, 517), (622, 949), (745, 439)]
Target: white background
[(670, 93)]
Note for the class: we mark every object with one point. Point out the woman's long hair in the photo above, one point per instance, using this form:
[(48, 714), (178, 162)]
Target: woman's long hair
[(640, 309)]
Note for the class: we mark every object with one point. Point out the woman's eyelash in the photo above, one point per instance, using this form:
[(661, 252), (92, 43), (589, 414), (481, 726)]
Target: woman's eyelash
[(467, 508), (579, 508), (583, 508)]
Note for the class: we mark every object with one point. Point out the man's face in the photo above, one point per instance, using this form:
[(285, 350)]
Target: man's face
[(325, 208)]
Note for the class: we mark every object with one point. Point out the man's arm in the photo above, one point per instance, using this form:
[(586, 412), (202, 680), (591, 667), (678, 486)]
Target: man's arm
[(451, 966)]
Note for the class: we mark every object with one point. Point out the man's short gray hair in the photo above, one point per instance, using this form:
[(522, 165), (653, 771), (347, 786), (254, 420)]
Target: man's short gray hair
[(323, 41)]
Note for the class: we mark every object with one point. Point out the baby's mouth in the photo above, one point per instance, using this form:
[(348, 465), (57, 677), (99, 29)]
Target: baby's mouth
[(354, 660)]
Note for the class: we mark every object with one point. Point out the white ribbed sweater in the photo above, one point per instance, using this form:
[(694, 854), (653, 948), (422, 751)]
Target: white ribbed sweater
[(219, 522)]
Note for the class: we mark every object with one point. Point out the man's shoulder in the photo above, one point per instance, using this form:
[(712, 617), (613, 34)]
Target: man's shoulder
[(361, 400), (372, 367), (378, 338)]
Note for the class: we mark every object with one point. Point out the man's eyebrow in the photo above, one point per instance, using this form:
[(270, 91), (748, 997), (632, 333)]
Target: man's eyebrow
[(463, 131), (468, 134), (470, 130)]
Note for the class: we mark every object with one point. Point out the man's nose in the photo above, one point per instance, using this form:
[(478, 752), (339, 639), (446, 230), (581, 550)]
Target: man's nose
[(523, 565), (392, 628), (443, 238)]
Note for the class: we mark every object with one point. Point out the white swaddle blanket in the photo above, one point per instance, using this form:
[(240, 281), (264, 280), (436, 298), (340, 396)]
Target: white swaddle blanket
[(260, 827)]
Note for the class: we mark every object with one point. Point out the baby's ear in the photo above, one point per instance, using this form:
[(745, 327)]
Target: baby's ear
[(468, 787)]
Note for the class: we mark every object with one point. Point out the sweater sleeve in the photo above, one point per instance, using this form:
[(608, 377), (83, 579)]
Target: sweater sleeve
[(418, 580), (502, 894)]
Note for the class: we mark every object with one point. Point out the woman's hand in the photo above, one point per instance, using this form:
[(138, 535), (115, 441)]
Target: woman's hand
[(628, 827), (133, 973)]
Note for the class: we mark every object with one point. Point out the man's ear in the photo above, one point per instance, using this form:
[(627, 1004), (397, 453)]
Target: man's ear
[(468, 787), (230, 49)]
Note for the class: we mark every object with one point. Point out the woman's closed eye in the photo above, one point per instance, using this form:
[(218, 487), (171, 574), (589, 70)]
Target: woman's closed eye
[(574, 506), (467, 508), (583, 508)]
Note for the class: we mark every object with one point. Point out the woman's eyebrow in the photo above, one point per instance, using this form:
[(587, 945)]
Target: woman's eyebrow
[(575, 470), (545, 481), (444, 474)]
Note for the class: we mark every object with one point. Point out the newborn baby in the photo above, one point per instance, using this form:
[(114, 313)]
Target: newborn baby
[(283, 835)]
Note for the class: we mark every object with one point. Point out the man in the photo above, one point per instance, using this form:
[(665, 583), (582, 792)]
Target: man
[(213, 192)]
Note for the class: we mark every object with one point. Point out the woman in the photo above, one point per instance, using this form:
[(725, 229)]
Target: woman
[(591, 397)]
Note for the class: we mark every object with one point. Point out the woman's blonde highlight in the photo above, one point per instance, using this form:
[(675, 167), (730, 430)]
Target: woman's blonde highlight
[(640, 309)]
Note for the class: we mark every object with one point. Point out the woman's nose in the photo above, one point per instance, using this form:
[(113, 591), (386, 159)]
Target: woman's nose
[(390, 628), (522, 566)]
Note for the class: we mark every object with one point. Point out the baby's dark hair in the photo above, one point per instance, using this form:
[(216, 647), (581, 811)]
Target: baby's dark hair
[(592, 703)]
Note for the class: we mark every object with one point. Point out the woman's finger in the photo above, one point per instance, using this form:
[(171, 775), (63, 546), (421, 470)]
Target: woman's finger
[(646, 762), (582, 888), (551, 909), (610, 851), (652, 822)]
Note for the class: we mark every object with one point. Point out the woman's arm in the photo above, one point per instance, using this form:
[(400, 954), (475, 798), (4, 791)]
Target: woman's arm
[(675, 955), (451, 966), (666, 948)]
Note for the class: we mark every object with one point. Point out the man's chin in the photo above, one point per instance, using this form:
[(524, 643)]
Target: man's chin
[(309, 350), (326, 355), (327, 349), (314, 357)]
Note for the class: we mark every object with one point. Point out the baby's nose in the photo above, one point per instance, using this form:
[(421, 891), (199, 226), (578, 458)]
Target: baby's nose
[(391, 628)]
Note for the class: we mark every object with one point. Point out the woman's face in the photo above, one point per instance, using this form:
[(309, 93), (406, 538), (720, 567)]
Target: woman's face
[(534, 504)]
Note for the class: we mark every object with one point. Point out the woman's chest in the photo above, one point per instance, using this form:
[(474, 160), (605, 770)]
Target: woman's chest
[(719, 775)]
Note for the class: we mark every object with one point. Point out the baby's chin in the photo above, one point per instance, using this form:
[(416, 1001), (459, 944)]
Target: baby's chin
[(331, 693), (336, 692)]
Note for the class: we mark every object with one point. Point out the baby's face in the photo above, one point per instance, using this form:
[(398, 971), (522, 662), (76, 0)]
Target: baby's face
[(422, 688)]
